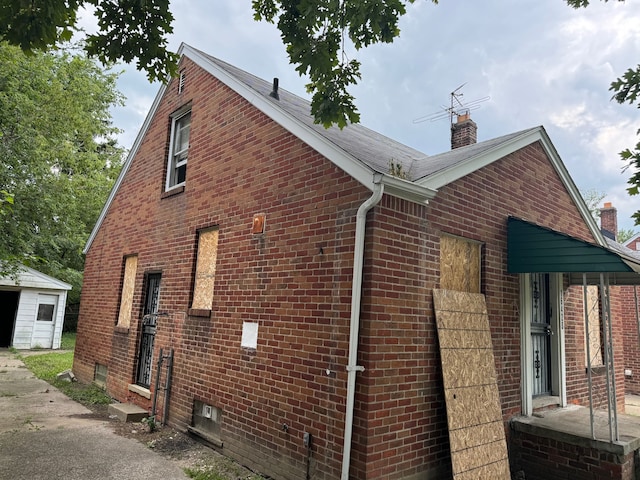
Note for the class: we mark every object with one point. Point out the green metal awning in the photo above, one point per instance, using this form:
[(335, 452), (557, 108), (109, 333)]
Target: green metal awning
[(532, 248)]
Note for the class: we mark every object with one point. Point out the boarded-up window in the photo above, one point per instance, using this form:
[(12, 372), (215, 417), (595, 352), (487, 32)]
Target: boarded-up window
[(594, 338), (459, 264), (128, 285), (205, 269)]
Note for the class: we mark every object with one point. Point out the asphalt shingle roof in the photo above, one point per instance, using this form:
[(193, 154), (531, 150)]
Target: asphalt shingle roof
[(369, 147)]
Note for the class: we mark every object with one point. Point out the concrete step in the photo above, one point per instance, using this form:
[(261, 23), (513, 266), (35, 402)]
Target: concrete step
[(127, 412)]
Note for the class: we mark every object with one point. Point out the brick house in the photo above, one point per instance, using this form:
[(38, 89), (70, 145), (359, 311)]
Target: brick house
[(627, 300), (286, 273)]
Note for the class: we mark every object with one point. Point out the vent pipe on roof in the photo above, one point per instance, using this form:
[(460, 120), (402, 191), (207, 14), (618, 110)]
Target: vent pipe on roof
[(274, 92)]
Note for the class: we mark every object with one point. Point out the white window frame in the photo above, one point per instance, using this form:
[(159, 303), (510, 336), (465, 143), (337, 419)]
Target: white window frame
[(177, 159)]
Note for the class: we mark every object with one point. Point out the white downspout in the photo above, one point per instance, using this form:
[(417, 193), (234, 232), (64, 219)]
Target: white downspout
[(354, 327)]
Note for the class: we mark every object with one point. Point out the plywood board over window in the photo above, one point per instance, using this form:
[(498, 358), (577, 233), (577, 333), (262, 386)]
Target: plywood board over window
[(594, 334), (128, 287), (459, 264), (205, 269), (474, 414)]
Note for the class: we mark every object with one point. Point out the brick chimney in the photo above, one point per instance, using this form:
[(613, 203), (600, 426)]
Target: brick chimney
[(609, 221), (464, 132)]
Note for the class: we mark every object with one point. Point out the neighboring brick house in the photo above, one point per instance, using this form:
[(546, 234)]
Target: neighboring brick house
[(291, 269), (626, 300)]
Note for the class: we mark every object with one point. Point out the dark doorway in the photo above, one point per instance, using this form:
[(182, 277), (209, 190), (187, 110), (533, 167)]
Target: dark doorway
[(149, 324), (8, 311)]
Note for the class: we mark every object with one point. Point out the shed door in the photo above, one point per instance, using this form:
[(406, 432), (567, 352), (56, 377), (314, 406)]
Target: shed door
[(45, 321), (541, 334)]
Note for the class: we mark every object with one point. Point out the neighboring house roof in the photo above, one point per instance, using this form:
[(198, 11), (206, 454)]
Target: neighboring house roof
[(30, 278), (622, 249), (632, 240), (362, 153)]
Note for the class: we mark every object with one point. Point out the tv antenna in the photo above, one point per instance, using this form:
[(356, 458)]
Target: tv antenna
[(456, 107)]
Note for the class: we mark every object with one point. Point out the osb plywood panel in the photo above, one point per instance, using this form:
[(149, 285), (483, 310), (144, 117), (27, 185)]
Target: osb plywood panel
[(459, 264), (474, 415), (593, 311), (128, 286), (205, 269)]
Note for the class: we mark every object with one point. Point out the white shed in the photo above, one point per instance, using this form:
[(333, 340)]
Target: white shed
[(32, 309)]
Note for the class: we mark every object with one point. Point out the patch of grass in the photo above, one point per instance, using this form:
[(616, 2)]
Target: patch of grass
[(48, 365), (203, 474), (68, 341), (224, 469)]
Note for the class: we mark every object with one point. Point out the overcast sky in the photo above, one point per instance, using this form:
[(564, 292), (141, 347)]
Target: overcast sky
[(540, 62)]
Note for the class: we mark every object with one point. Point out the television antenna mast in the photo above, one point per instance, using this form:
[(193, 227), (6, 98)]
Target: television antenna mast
[(456, 107)]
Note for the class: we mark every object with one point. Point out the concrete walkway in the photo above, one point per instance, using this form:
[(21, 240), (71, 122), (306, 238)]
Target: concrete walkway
[(45, 435)]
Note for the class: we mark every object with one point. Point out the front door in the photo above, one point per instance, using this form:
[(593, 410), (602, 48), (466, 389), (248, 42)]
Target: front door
[(541, 333), (149, 324)]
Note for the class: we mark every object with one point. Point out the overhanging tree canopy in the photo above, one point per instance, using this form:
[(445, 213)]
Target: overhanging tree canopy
[(58, 158)]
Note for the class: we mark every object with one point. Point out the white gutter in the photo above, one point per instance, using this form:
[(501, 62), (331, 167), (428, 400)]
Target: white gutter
[(356, 295)]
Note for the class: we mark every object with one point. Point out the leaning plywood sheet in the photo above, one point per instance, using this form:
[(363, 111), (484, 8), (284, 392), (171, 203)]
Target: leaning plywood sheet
[(474, 416)]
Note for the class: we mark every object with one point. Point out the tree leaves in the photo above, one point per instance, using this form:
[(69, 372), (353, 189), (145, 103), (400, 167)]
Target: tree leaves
[(315, 33), (129, 30), (58, 158), (135, 30)]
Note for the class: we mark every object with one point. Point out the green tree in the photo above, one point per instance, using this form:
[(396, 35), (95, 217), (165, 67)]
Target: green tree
[(625, 234), (58, 158), (129, 30), (314, 32)]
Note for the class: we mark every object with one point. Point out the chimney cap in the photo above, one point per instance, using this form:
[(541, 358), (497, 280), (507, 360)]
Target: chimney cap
[(463, 117), (608, 205)]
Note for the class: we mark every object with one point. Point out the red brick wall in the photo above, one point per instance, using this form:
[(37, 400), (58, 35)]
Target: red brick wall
[(577, 378), (627, 298), (295, 281), (551, 459), (401, 413), (476, 207)]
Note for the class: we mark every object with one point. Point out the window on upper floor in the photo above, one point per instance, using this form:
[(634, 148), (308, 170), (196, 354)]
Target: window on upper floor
[(178, 149)]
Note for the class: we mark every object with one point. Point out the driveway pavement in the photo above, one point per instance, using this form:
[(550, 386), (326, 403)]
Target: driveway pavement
[(45, 435)]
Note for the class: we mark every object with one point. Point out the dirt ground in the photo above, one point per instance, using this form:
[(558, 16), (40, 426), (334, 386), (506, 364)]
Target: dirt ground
[(178, 447)]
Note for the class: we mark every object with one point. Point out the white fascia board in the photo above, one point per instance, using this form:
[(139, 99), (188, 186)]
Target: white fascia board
[(354, 167), (406, 190), (631, 240), (30, 278), (125, 168), (478, 161), (449, 175), (575, 194)]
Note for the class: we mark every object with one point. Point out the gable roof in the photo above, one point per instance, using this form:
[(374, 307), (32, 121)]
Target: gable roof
[(632, 240), (30, 278), (362, 153)]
